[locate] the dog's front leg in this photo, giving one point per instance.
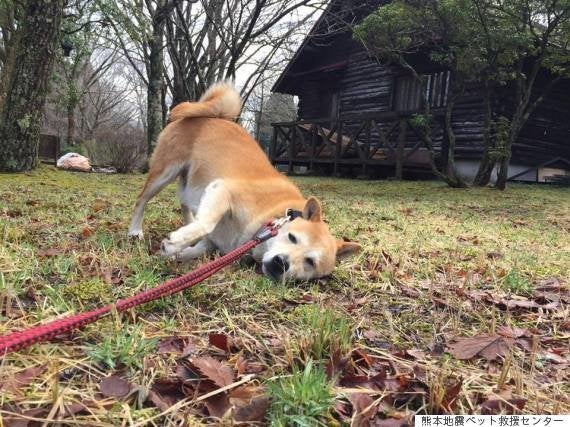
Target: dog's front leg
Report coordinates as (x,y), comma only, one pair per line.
(214,204)
(190,253)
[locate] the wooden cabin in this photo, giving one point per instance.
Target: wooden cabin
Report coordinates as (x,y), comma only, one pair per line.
(354,113)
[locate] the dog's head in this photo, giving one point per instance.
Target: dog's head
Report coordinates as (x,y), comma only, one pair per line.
(304,248)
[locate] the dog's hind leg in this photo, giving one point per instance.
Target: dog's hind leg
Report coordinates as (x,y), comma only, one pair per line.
(156,181)
(214,204)
(186,214)
(183,192)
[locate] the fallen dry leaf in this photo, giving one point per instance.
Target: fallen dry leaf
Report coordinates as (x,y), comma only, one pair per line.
(163,394)
(220,341)
(490,347)
(513,332)
(499,406)
(87,232)
(390,422)
(218,406)
(249,403)
(363,406)
(189,349)
(114,386)
(450,397)
(210,369)
(44,253)
(22,379)
(170,345)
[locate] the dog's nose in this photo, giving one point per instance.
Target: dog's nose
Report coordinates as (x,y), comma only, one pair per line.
(278,265)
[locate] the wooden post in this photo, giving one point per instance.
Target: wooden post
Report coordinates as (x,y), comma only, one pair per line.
(444,148)
(366,149)
(292,148)
(313,146)
(337,148)
(400,148)
(273,146)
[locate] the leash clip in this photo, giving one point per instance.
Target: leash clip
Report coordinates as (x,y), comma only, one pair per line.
(271,229)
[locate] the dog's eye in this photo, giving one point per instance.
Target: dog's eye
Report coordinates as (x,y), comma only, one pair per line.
(293,239)
(310,262)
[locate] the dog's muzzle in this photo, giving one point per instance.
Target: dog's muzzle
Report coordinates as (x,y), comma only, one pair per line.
(276,266)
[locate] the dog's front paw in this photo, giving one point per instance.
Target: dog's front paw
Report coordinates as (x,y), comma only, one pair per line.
(136,234)
(169,249)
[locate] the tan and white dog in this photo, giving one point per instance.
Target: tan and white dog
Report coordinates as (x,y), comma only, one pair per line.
(228,189)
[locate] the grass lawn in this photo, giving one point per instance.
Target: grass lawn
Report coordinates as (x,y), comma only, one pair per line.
(459,303)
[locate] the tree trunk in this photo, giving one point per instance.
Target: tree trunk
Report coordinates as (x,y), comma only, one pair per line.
(487,163)
(21,115)
(450,170)
(503,173)
(155,84)
(70,125)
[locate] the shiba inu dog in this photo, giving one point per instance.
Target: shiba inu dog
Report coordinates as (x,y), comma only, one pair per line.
(228,189)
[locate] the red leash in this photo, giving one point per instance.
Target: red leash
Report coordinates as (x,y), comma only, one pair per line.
(23,339)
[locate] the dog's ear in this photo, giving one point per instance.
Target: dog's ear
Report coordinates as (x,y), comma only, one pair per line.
(346,249)
(312,210)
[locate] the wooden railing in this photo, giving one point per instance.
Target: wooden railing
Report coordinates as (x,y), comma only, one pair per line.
(380,139)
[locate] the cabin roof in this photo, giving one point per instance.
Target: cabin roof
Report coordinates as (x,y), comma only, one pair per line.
(334,24)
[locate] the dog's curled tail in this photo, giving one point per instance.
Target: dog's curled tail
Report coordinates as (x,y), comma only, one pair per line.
(221,100)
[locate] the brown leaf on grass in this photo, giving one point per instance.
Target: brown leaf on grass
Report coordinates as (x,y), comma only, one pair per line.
(163,394)
(304,299)
(22,419)
(212,370)
(44,253)
(361,358)
(335,365)
(409,292)
(170,345)
(554,357)
(189,349)
(241,365)
(342,409)
(450,397)
(376,339)
(22,379)
(549,285)
(86,232)
(356,303)
(390,422)
(217,405)
(99,205)
(500,406)
(416,353)
(363,406)
(374,382)
(495,255)
(114,386)
(220,341)
(490,347)
(13,213)
(249,403)
(112,276)
(513,332)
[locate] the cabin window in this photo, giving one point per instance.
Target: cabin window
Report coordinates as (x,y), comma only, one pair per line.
(408,91)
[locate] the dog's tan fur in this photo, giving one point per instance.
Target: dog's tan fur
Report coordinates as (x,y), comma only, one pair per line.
(231,188)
